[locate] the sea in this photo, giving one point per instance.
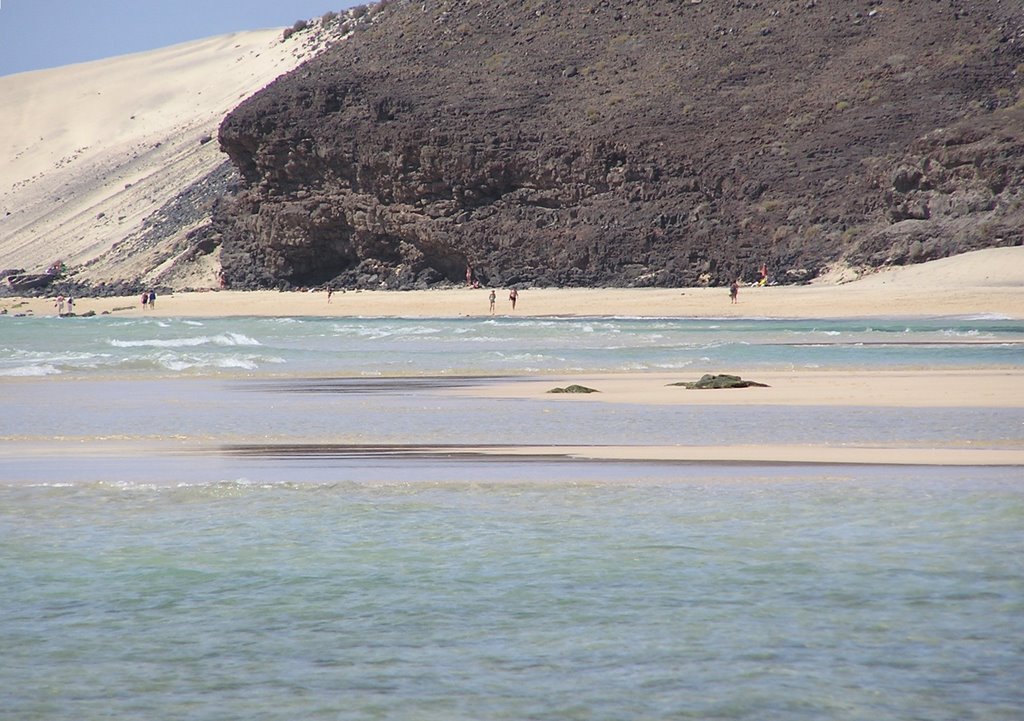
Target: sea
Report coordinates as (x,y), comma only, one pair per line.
(284,518)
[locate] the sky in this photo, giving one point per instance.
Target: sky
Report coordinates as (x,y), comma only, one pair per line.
(37,34)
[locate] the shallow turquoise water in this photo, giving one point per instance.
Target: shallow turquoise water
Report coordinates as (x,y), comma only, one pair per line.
(861,595)
(208,520)
(353,347)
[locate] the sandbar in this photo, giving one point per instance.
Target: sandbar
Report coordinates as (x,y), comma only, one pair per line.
(914,388)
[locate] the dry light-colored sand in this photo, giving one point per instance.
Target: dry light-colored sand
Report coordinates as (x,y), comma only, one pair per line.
(983,282)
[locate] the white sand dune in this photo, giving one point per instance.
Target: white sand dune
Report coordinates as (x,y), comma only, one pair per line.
(88,151)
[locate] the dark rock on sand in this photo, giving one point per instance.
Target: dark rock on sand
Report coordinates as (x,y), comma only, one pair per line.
(573,389)
(721,380)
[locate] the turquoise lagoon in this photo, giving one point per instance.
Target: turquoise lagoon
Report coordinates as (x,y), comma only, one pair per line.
(234,518)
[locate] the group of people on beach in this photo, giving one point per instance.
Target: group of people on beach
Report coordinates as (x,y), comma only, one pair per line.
(149,300)
(473,282)
(65,306)
(513,296)
(734,287)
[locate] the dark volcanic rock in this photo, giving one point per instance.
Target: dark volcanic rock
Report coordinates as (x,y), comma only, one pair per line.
(631,143)
(574,388)
(721,380)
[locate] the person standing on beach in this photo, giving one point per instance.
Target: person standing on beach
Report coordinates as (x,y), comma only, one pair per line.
(493,296)
(60,305)
(145,300)
(71,305)
(330,292)
(152,299)
(734,291)
(513,295)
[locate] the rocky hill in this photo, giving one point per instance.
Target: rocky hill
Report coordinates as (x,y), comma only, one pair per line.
(631,143)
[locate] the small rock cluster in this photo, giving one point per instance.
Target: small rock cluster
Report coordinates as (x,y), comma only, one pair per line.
(719,380)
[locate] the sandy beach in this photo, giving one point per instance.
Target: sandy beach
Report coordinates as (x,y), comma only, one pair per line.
(982,282)
(987,283)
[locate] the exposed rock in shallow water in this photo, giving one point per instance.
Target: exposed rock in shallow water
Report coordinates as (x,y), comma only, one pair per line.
(573,389)
(721,380)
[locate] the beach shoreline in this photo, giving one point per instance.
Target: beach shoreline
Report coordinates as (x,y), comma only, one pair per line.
(786,302)
(981,283)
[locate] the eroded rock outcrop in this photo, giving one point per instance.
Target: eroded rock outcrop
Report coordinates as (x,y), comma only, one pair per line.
(642,142)
(959,188)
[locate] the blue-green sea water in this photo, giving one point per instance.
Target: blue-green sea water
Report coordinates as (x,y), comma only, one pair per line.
(233,519)
(35,347)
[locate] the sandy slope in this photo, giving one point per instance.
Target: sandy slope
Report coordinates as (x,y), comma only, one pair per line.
(90,150)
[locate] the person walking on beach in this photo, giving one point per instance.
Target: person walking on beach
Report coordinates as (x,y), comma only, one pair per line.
(493,296)
(513,295)
(70,305)
(734,291)
(330,292)
(152,299)
(145,300)
(60,305)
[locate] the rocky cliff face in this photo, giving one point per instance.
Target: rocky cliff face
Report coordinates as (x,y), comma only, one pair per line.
(631,143)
